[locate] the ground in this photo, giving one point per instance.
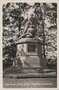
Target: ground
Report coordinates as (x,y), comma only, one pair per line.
(29,78)
(29,82)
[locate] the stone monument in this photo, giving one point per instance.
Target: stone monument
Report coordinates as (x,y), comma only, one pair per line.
(29,49)
(30,52)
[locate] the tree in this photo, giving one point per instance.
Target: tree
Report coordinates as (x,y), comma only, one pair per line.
(12,18)
(45,14)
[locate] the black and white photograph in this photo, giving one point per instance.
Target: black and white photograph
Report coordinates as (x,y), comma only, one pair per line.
(29,44)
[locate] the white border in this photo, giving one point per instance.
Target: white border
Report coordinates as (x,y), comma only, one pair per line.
(28,1)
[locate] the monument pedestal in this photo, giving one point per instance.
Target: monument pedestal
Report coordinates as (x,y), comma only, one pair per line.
(29,51)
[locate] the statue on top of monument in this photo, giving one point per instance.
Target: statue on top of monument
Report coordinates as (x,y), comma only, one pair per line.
(29,25)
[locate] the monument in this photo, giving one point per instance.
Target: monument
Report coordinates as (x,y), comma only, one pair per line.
(29,48)
(30,52)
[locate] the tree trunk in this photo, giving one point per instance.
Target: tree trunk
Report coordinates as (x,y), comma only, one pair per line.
(43,42)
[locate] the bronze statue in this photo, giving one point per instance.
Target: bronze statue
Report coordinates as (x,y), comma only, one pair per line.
(30,25)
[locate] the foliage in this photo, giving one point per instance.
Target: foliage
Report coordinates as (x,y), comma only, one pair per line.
(46,22)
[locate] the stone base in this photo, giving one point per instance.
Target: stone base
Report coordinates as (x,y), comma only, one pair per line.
(31,61)
(31,69)
(23,70)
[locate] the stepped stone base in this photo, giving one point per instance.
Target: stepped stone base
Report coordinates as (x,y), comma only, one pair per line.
(23,69)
